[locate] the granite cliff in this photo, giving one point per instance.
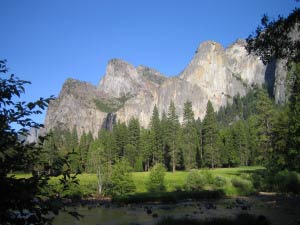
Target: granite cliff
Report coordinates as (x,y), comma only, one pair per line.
(125,91)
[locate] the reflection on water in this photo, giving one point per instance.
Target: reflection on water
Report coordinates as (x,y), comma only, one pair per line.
(133,214)
(147,214)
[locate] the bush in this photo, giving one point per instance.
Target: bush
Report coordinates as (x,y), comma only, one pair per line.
(74,192)
(286,181)
(195,181)
(283,181)
(209,178)
(138,165)
(244,186)
(121,182)
(155,183)
(219,181)
(260,181)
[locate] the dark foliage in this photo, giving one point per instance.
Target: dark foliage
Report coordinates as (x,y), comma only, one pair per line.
(22,200)
(275,39)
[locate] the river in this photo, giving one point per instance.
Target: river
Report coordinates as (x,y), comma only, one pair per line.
(278,209)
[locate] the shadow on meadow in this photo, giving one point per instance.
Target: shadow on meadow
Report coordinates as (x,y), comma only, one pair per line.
(169,197)
(242,219)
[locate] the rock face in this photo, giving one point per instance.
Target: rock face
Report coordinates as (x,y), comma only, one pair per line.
(280,82)
(125,91)
(223,73)
(75,107)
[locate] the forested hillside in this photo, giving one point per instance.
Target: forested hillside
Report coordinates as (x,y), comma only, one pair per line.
(251,131)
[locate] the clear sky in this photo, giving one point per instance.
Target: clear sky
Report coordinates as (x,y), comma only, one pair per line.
(47,41)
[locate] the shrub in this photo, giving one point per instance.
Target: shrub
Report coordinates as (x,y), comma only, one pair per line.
(260,181)
(244,186)
(283,181)
(209,178)
(74,192)
(155,183)
(287,181)
(195,181)
(138,165)
(121,182)
(219,181)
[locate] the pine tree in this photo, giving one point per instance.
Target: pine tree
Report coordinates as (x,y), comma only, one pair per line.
(53,157)
(226,147)
(120,134)
(265,111)
(273,40)
(280,137)
(83,149)
(221,144)
(238,106)
(134,132)
(199,156)
(241,143)
(71,147)
(74,137)
(109,148)
(211,153)
(121,181)
(231,148)
(165,144)
(172,132)
(253,140)
(67,141)
(190,141)
(155,131)
(130,154)
(146,148)
(133,146)
(293,142)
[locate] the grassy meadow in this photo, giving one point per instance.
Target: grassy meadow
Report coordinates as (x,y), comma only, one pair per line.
(235,181)
(176,181)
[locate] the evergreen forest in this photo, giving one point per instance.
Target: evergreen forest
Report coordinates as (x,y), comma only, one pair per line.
(252,130)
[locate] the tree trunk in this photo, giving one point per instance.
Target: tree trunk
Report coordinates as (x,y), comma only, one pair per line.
(211,152)
(201,148)
(173,158)
(99,181)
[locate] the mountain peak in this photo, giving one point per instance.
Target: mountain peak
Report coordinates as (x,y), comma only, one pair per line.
(208,46)
(214,74)
(119,67)
(238,43)
(151,74)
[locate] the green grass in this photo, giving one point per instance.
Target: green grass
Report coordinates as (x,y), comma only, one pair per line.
(238,181)
(21,175)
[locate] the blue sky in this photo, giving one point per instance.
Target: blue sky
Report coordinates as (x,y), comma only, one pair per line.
(48,41)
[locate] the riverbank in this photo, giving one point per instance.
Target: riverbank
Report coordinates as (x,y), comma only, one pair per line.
(278,209)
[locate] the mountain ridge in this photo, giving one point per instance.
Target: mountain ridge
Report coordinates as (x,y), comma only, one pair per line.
(214,73)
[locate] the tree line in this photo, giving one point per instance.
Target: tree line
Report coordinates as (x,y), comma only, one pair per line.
(252,130)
